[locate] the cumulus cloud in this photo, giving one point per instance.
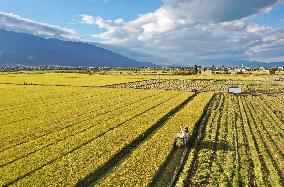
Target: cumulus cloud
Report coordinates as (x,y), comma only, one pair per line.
(90,20)
(16,23)
(186,31)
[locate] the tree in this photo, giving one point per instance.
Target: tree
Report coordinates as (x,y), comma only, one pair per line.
(195,70)
(272,71)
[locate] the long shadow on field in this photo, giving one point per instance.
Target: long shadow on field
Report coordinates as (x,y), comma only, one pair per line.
(168,173)
(223,145)
(97,175)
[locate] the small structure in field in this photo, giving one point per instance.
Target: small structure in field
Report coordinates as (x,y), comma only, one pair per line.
(279,79)
(235,90)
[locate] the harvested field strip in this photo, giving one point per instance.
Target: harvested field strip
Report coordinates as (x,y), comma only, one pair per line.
(245,150)
(247,164)
(225,166)
(276,108)
(275,169)
(269,127)
(204,85)
(157,153)
(91,150)
(271,114)
(221,149)
(138,84)
(262,171)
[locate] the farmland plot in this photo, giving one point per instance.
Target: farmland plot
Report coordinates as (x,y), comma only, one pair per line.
(71,135)
(254,86)
(67,79)
(57,136)
(240,142)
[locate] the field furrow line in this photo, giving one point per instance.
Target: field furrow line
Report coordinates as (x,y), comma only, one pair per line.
(269,132)
(264,168)
(251,168)
(267,147)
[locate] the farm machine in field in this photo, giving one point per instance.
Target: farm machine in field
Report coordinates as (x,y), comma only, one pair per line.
(182,138)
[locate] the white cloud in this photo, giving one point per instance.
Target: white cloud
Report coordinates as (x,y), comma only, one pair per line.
(184,31)
(16,23)
(87,19)
(90,20)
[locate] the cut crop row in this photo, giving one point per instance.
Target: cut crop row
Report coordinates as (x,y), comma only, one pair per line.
(252,154)
(274,161)
(262,168)
(206,85)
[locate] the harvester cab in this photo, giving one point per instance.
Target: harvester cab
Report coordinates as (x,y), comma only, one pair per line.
(182,138)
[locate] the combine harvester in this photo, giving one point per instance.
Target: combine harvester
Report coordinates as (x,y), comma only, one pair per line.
(182,138)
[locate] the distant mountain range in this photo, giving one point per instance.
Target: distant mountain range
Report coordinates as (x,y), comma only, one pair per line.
(26,49)
(230,63)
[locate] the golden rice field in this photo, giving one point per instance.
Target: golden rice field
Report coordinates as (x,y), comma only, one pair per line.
(69,129)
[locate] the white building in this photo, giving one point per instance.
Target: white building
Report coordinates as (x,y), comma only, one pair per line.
(235,90)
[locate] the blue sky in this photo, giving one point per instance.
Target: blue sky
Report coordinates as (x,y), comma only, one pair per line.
(161,31)
(64,12)
(275,18)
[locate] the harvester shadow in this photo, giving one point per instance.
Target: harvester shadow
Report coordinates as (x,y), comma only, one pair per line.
(222,145)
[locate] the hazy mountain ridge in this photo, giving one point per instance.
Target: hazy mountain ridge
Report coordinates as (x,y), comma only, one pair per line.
(231,63)
(20,48)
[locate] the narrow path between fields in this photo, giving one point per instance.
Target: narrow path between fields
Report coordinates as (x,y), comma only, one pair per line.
(76,86)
